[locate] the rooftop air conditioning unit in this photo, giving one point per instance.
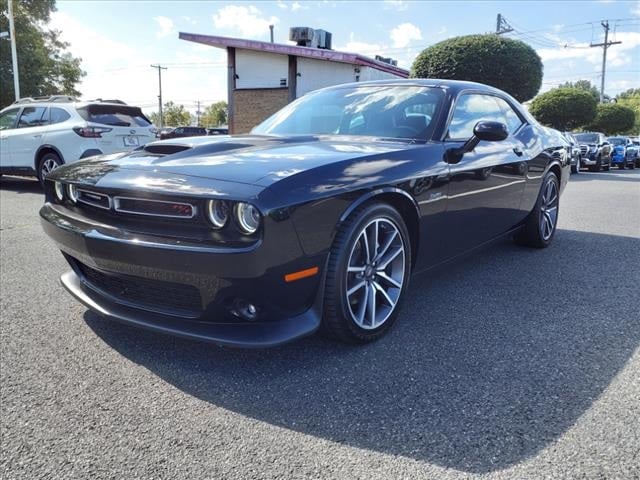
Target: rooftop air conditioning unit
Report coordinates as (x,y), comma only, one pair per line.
(303,36)
(388,60)
(322,39)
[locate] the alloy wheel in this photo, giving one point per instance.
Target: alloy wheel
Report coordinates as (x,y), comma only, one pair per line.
(48,165)
(549,209)
(375,273)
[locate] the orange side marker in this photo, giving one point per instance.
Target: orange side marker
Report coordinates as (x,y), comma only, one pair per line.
(309,272)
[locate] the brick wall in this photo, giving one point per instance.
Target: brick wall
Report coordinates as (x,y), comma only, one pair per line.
(252,106)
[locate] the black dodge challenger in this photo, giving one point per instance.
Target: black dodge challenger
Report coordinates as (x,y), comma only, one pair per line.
(315,220)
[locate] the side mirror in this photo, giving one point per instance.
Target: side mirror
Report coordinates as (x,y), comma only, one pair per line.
(487,131)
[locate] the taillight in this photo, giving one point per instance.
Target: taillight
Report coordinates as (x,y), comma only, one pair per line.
(91,132)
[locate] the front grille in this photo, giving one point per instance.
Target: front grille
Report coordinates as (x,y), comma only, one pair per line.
(584,149)
(156,295)
(154,208)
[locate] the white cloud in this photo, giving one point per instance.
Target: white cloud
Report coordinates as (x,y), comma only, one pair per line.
(404,34)
(363,48)
(166,26)
(117,70)
(617,55)
(247,20)
(635,10)
(293,6)
(399,5)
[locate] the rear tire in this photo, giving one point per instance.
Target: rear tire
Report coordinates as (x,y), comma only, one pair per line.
(363,294)
(540,226)
(47,163)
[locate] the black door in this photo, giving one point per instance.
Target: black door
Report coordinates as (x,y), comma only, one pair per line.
(486,186)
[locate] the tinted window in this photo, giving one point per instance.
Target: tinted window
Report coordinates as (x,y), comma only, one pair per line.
(8,118)
(115,115)
(471,109)
(58,115)
(32,117)
(616,141)
(388,111)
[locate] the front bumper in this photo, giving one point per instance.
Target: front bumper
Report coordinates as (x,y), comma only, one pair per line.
(222,277)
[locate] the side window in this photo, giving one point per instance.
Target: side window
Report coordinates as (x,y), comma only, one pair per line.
(179,130)
(58,115)
(513,119)
(470,109)
(8,118)
(32,117)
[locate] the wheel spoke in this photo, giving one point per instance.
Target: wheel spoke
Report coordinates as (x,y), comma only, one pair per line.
(371,304)
(355,288)
(366,246)
(375,241)
(387,244)
(355,269)
(390,302)
(389,280)
(384,262)
(362,310)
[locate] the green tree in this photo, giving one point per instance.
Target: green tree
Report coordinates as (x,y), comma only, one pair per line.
(507,64)
(44,67)
(587,86)
(631,99)
(214,115)
(613,119)
(564,108)
(174,116)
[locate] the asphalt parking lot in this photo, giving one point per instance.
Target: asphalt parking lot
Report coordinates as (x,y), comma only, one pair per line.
(512,363)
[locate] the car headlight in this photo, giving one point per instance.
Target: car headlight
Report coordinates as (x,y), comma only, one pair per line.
(248,217)
(218,212)
(58,188)
(72,191)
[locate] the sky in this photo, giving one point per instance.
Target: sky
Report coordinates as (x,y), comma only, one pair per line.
(119,40)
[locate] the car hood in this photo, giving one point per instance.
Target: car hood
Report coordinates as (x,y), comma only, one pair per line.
(253,160)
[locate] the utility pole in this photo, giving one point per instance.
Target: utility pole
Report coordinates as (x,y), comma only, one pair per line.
(606,44)
(502,26)
(160,68)
(198,114)
(14,53)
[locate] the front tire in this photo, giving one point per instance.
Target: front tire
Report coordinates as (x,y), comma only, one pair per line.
(540,226)
(49,162)
(367,275)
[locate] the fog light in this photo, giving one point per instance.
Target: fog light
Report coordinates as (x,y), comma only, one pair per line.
(59,190)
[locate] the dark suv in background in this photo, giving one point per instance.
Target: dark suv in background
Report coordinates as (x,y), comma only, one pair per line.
(595,151)
(184,132)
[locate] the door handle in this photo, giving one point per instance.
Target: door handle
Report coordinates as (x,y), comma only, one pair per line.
(517,151)
(38,135)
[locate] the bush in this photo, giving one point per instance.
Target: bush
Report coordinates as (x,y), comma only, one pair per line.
(564,108)
(612,119)
(504,63)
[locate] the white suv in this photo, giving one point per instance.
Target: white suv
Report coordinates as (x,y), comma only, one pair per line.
(38,135)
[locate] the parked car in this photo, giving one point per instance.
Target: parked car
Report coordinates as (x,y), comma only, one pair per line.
(38,135)
(625,153)
(317,218)
(218,131)
(162,132)
(181,132)
(595,151)
(575,152)
(635,143)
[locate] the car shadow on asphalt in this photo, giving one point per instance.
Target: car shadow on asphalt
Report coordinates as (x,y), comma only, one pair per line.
(20,184)
(492,359)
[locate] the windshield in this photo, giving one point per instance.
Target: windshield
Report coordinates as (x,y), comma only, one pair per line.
(587,137)
(616,141)
(378,111)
